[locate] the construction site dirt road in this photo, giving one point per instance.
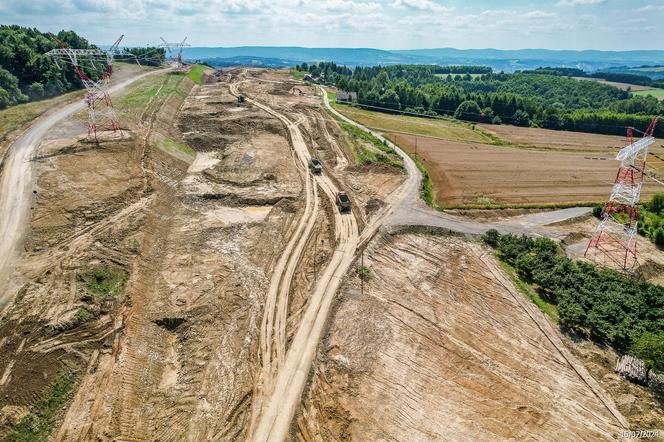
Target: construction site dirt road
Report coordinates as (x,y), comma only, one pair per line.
(18,181)
(240,317)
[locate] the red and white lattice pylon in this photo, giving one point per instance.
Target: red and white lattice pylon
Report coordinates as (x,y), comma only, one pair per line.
(101,115)
(176,60)
(616,232)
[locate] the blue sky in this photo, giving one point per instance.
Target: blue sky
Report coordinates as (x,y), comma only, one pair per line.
(385,24)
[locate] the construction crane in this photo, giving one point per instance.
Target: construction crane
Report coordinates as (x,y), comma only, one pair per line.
(176,61)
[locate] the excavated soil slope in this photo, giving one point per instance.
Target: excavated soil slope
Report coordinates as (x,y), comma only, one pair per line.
(184,365)
(438,349)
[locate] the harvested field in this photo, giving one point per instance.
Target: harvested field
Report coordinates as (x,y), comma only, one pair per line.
(472,174)
(556,139)
(621,86)
(437,349)
(433,127)
(480,174)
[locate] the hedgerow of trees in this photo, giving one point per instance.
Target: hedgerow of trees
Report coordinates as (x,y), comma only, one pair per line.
(542,98)
(27,74)
(603,304)
(651,222)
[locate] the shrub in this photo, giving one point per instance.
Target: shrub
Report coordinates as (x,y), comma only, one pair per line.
(657,203)
(36,91)
(659,237)
(601,303)
(469,110)
(650,348)
(597,211)
(491,237)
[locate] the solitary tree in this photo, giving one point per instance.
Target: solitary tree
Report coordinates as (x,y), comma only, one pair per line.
(469,110)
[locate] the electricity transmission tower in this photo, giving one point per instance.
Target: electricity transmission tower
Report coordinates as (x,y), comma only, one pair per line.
(176,61)
(615,235)
(101,115)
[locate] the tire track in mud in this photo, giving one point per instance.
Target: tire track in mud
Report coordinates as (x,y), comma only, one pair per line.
(276,411)
(273,326)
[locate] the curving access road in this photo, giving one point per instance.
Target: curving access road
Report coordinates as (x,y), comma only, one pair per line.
(17,184)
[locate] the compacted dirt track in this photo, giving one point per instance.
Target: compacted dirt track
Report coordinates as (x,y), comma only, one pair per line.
(275,412)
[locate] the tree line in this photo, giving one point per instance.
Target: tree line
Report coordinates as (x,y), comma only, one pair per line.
(27,74)
(601,304)
(541,99)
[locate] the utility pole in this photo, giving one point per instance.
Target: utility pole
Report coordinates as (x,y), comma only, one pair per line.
(362,273)
(101,114)
(616,232)
(176,60)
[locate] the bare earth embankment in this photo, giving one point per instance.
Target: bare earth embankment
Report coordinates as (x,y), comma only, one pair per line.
(437,349)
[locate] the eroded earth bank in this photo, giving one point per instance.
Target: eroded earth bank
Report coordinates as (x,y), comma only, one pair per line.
(437,348)
(166,273)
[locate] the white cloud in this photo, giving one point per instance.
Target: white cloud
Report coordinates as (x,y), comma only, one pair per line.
(580,2)
(538,14)
(648,8)
(420,5)
(350,6)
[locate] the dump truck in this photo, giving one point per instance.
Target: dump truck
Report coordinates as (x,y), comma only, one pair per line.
(343,202)
(315,166)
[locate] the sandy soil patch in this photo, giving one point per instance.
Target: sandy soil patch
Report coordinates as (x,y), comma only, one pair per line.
(437,349)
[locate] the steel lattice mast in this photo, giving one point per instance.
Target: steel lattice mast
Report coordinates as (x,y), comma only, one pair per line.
(176,61)
(101,115)
(615,235)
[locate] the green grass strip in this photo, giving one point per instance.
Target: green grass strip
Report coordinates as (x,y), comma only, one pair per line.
(196,73)
(529,292)
(38,425)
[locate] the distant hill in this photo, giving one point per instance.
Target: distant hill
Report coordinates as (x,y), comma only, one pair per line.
(296,55)
(499,60)
(264,62)
(653,72)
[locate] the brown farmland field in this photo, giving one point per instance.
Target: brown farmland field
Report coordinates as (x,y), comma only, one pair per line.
(555,139)
(475,174)
(621,86)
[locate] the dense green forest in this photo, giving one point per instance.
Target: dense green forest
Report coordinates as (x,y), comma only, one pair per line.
(603,304)
(620,77)
(548,99)
(27,74)
(651,222)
